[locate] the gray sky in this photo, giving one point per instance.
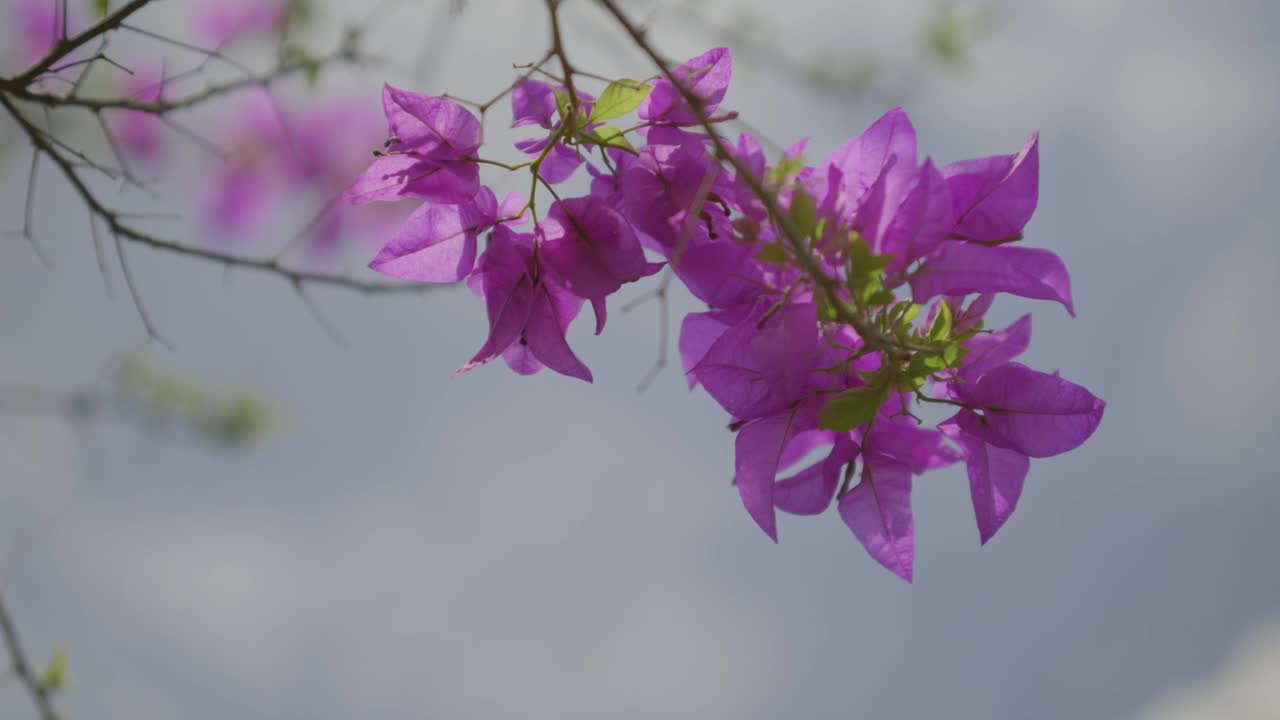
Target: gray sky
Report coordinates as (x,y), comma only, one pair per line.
(491,546)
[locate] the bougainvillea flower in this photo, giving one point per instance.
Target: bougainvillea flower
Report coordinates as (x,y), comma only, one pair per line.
(705,76)
(221,22)
(878,511)
(996,474)
(534,103)
(959,268)
(437,243)
(1035,413)
(995,197)
(810,491)
(763,363)
(528,315)
(886,147)
(829,325)
(920,223)
(431,127)
(591,251)
(758,457)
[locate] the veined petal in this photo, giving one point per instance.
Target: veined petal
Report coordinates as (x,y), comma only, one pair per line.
(436,244)
(996,474)
(959,268)
(433,127)
(811,490)
(995,197)
(705,76)
(758,451)
(1035,413)
(878,511)
(399,176)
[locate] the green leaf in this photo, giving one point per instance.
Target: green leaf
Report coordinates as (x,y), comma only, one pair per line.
(609,136)
(54,676)
(851,408)
(925,364)
(804,212)
(910,314)
(951,354)
(773,253)
(941,328)
(100,7)
(879,297)
(562,102)
(621,97)
(784,170)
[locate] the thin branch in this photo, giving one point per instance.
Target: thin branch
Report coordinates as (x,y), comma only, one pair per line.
(70,44)
(152,333)
(22,668)
(100,252)
(214,54)
(117,227)
(161,105)
(28,212)
(321,319)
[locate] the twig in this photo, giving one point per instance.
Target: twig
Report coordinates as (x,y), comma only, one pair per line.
(22,666)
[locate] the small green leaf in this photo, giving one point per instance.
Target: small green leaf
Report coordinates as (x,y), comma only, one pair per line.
(941,328)
(101,7)
(925,364)
(850,408)
(609,136)
(784,170)
(910,314)
(54,676)
(951,354)
(562,102)
(621,97)
(879,297)
(773,253)
(804,212)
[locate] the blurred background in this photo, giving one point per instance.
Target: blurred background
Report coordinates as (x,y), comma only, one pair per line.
(393,541)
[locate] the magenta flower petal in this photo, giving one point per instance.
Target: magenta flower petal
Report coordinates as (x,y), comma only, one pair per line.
(810,491)
(590,248)
(878,511)
(960,268)
(532,103)
(721,274)
(436,244)
(544,333)
(915,448)
(507,286)
(559,164)
(699,332)
(863,159)
(432,127)
(920,223)
(759,448)
(996,475)
(705,76)
(989,350)
(1035,413)
(754,370)
(995,197)
(396,177)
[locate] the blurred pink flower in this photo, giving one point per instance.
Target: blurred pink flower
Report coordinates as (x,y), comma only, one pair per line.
(218,23)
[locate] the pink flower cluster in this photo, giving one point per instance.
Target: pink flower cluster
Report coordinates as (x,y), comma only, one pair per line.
(843,296)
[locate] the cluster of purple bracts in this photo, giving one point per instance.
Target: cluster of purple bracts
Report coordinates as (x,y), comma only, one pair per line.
(826,329)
